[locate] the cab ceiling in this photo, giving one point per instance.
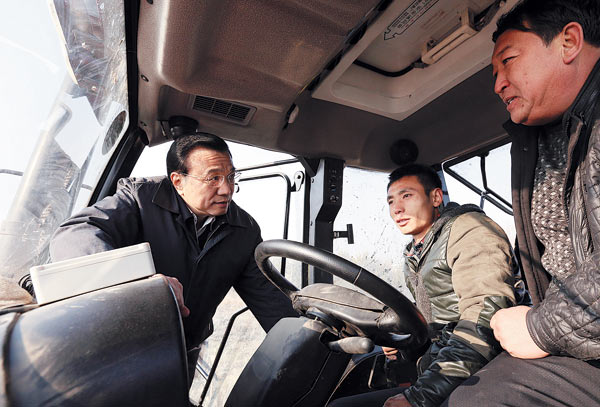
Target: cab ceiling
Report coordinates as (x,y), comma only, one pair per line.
(275,57)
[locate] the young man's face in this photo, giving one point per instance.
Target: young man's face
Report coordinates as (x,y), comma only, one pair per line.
(203,199)
(411,208)
(527,77)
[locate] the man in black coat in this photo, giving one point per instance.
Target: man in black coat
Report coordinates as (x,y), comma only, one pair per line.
(201,241)
(547,72)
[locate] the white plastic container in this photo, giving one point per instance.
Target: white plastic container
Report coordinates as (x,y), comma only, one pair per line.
(79,275)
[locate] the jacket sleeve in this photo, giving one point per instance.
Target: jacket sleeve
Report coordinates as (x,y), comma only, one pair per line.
(445,365)
(479,255)
(566,322)
(267,302)
(111,223)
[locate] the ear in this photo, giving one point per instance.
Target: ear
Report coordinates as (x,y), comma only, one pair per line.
(437,197)
(572,41)
(177,181)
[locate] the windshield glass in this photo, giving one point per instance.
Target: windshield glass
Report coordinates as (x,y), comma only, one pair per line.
(64,109)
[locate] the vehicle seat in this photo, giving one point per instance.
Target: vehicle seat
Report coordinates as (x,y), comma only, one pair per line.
(121,345)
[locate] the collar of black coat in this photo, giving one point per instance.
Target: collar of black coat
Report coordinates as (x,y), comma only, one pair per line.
(582,108)
(167,198)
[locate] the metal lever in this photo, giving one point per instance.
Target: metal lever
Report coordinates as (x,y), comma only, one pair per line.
(348,233)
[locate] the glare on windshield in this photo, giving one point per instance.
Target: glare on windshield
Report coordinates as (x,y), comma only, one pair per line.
(64,110)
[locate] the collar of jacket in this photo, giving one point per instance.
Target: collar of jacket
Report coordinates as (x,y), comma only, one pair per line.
(450,211)
(583,106)
(167,198)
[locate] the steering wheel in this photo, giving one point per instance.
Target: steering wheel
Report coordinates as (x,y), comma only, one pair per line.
(390,320)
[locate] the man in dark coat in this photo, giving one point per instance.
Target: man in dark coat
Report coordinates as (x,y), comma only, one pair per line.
(546,69)
(201,241)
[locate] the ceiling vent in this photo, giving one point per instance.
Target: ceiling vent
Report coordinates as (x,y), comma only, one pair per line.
(233,112)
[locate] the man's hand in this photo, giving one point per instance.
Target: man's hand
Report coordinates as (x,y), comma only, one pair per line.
(390,353)
(397,401)
(178,291)
(510,329)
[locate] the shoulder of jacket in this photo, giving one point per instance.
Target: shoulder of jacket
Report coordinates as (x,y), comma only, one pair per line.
(471,220)
(474,217)
(136,183)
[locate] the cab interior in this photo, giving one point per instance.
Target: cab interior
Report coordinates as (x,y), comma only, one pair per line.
(339,79)
(335,84)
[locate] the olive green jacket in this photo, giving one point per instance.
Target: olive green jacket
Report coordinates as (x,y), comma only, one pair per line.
(462,275)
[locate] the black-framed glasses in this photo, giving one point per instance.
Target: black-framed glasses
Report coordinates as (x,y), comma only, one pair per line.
(217,180)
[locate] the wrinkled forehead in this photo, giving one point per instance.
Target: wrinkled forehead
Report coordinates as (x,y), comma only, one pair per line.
(204,161)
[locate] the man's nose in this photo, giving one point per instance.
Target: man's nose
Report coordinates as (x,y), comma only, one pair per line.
(500,84)
(226,188)
(397,208)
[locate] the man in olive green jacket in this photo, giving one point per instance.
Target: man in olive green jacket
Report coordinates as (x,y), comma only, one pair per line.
(459,268)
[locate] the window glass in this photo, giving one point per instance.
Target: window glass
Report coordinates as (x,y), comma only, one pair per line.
(497,171)
(63,105)
(469,169)
(497,165)
(378,243)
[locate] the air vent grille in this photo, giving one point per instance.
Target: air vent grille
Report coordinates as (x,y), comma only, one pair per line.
(223,109)
(202,103)
(239,112)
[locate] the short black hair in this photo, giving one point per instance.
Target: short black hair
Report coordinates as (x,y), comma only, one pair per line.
(427,176)
(184,145)
(547,18)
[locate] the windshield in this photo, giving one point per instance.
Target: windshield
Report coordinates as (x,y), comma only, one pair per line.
(63,108)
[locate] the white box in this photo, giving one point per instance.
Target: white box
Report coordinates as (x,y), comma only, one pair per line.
(79,275)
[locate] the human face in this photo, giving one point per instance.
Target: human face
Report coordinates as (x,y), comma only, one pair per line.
(528,77)
(205,200)
(411,208)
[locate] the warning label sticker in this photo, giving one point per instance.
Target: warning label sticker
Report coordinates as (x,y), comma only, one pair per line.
(407,18)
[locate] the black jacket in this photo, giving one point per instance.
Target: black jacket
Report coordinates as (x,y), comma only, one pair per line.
(565,321)
(150,210)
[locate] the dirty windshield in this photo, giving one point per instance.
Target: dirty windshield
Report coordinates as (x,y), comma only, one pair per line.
(64,110)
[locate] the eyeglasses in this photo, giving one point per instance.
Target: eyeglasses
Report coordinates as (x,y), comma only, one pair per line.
(217,180)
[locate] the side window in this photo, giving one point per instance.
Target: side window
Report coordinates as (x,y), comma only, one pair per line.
(467,183)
